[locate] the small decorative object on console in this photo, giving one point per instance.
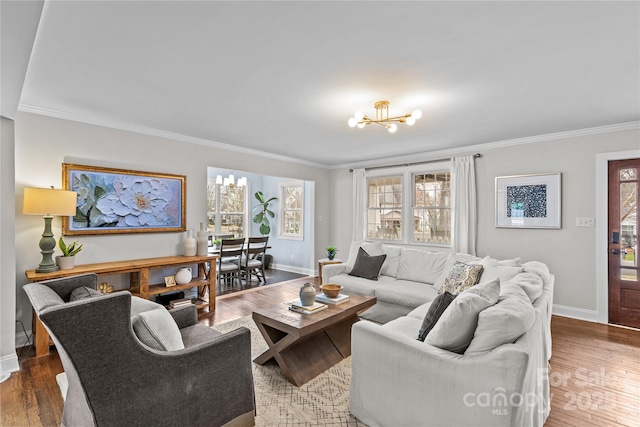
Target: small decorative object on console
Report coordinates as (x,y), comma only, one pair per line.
(183,276)
(105,288)
(331,252)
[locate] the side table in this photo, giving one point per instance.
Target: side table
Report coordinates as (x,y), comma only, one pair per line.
(326,261)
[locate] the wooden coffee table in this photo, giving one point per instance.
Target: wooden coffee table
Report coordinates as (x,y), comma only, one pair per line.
(305,345)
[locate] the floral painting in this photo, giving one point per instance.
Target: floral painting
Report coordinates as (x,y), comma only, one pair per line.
(122,201)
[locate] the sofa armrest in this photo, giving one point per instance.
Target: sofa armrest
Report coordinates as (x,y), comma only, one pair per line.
(185,316)
(331,270)
(428,383)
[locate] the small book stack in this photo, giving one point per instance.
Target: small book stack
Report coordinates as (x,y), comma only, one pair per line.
(306,309)
(322,298)
(180,302)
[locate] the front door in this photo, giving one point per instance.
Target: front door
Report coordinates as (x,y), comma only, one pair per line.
(624,281)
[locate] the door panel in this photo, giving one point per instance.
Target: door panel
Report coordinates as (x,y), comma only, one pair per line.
(624,286)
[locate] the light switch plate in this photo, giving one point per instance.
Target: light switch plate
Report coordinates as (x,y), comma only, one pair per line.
(585,222)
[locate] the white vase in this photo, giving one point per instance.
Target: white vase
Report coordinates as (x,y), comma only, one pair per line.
(203,240)
(183,276)
(65,262)
(190,244)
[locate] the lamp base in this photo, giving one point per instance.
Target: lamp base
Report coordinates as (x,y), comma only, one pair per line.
(47,246)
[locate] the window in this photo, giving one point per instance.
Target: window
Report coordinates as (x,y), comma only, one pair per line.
(423,218)
(291,210)
(431,208)
(384,207)
(226,209)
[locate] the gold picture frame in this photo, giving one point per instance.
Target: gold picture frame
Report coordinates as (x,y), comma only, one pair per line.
(170,281)
(119,201)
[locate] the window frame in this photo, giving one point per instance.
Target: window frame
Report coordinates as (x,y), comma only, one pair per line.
(283,209)
(217,213)
(408,200)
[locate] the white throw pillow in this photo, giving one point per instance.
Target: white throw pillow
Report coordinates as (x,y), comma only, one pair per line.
(158,330)
(391,263)
(454,330)
(421,266)
(372,248)
(505,274)
(504,322)
(515,262)
(530,283)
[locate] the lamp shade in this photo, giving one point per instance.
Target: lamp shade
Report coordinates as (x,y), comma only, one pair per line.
(47,201)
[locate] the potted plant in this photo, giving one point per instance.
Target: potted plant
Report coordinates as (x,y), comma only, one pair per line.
(216,244)
(331,252)
(67,260)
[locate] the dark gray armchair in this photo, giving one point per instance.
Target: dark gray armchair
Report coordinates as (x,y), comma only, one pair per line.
(115,380)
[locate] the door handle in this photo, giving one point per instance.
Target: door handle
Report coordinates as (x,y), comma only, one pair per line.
(615,251)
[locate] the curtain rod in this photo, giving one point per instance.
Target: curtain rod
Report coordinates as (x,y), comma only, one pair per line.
(475,156)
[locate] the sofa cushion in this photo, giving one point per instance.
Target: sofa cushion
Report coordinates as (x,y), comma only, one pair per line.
(420,311)
(83,292)
(390,266)
(530,283)
(367,266)
(461,277)
(504,322)
(372,248)
(514,262)
(359,286)
(451,260)
(437,307)
(403,292)
(421,266)
(157,329)
(454,330)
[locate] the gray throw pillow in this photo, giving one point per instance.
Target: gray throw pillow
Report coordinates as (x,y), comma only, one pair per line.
(437,307)
(367,266)
(83,292)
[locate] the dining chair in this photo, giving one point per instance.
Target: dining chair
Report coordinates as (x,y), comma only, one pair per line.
(253,261)
(228,265)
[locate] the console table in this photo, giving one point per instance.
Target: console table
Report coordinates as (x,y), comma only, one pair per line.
(138,270)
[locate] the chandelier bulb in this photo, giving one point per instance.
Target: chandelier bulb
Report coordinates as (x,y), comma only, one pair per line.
(361,125)
(416,114)
(359,115)
(392,127)
(352,122)
(410,121)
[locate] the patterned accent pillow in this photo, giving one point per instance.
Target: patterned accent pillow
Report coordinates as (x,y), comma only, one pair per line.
(461,277)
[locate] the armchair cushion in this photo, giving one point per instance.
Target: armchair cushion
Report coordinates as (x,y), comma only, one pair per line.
(83,292)
(157,329)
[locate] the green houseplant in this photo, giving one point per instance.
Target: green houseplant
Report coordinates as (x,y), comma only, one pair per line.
(331,252)
(262,217)
(67,260)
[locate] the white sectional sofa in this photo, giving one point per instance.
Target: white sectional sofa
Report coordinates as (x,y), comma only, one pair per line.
(500,379)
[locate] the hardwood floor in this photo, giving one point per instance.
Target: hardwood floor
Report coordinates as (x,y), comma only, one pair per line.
(594,371)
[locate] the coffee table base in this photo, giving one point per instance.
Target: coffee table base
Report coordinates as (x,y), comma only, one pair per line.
(303,358)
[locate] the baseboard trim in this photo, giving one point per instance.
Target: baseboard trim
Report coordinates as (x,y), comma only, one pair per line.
(575,313)
(9,363)
(291,269)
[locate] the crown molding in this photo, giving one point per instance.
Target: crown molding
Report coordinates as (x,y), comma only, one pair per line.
(160,133)
(416,157)
(449,152)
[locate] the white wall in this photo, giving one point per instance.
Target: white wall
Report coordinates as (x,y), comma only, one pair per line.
(44,143)
(8,357)
(569,252)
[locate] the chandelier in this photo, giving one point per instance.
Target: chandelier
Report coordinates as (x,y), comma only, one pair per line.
(382,117)
(230,181)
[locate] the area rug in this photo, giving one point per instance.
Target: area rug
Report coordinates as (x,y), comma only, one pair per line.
(323,401)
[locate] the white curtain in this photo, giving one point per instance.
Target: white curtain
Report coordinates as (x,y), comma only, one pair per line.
(359,204)
(464,205)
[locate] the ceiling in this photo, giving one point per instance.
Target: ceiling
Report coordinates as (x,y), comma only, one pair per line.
(283,78)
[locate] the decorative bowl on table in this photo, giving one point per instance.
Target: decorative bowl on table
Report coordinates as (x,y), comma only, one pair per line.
(331,290)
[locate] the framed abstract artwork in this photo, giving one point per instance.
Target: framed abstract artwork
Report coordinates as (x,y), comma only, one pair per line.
(115,201)
(529,201)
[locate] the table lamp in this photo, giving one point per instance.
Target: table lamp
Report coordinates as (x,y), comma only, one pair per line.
(49,203)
